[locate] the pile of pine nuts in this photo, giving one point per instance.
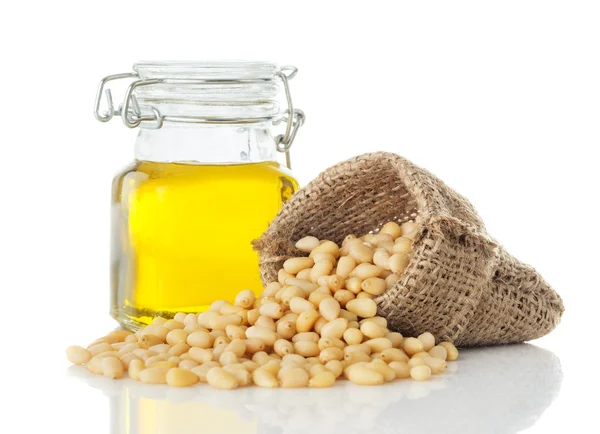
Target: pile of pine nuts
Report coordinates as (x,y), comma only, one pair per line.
(316,324)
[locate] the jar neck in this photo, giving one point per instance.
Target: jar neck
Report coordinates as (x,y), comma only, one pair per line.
(207,144)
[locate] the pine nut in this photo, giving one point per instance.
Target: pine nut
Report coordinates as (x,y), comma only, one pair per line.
(343,296)
(381,258)
(264,334)
(254,345)
(154,375)
(364,376)
(294,265)
(306,320)
(250,365)
(240,373)
(135,367)
(350,316)
(295,377)
(273,310)
(200,355)
(402,369)
(94,350)
(412,346)
(362,348)
(326,247)
(264,378)
(178,377)
(452,352)
(366,270)
(178,350)
(188,364)
(393,355)
(361,253)
(253,315)
(159,321)
(371,330)
(398,262)
(374,285)
(78,355)
(227,358)
(420,372)
(283,347)
(335,329)
(322,268)
(391,228)
(403,245)
(306,348)
(200,339)
(290,292)
(219,378)
(428,341)
(415,361)
(438,366)
(335,366)
(271,289)
(305,285)
(266,322)
(307,244)
(331,353)
(363,307)
(323,256)
(331,342)
(335,282)
(396,338)
(316,297)
(299,305)
(127,358)
(318,326)
(353,336)
(345,266)
(356,357)
(174,325)
(202,371)
(304,274)
(245,299)
(380,366)
(329,308)
(179,317)
(112,367)
(391,280)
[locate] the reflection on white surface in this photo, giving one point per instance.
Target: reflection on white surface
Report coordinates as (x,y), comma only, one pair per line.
(500,390)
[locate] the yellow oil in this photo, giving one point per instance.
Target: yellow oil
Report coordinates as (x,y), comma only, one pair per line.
(182,233)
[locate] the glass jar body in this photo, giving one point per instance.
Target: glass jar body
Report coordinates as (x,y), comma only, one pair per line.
(184,215)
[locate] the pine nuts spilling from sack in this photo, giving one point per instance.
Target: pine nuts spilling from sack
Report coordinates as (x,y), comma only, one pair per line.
(316,324)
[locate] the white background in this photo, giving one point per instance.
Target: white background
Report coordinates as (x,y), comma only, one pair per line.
(499,99)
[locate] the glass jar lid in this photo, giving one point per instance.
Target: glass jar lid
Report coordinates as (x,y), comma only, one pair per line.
(203,92)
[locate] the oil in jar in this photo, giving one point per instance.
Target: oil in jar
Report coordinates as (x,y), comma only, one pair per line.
(182,234)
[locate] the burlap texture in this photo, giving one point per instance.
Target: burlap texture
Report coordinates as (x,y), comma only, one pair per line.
(460,285)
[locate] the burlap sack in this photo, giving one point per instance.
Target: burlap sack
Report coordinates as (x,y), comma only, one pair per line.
(460,285)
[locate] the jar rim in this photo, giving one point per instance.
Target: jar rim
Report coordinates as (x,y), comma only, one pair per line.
(221,70)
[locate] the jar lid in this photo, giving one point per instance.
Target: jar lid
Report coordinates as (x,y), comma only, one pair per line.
(203,92)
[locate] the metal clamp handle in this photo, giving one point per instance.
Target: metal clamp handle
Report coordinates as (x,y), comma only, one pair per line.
(108,115)
(131,115)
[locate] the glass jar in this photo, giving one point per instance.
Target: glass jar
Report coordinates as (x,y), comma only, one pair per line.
(205,182)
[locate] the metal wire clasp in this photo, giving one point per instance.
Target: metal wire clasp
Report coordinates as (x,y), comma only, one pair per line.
(294,118)
(110,112)
(131,115)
